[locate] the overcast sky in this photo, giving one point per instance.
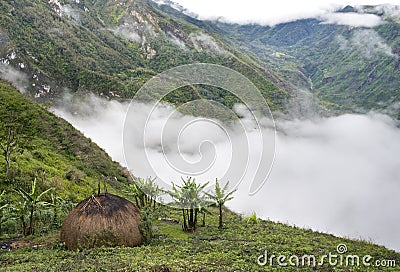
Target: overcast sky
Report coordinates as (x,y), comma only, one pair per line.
(268,12)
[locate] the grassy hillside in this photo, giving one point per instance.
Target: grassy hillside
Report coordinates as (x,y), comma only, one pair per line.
(58,156)
(51,150)
(235,248)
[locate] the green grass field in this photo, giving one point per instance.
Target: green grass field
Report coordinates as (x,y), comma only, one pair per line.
(237,247)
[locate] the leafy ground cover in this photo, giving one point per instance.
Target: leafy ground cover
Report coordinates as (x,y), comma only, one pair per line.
(237,247)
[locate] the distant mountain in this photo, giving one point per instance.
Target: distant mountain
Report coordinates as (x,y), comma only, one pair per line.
(349,68)
(112,47)
(51,150)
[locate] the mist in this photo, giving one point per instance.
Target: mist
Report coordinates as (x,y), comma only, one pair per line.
(16,77)
(352,19)
(127,31)
(338,174)
(202,41)
(367,42)
(276,12)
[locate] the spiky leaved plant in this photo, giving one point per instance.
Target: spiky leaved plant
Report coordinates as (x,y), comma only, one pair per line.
(30,202)
(220,196)
(190,198)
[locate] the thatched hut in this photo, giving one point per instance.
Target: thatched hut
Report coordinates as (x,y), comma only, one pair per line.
(103,219)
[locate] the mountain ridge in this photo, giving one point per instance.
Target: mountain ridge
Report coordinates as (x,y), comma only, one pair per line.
(113,48)
(349,68)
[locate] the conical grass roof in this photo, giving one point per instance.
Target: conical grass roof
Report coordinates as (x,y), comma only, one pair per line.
(104,219)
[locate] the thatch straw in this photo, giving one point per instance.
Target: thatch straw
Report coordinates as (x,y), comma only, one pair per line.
(104,219)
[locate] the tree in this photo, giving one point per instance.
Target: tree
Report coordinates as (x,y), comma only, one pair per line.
(190,198)
(145,192)
(2,208)
(221,196)
(204,211)
(8,145)
(29,202)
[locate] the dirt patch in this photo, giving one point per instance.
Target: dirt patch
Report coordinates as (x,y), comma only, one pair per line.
(169,221)
(6,245)
(15,243)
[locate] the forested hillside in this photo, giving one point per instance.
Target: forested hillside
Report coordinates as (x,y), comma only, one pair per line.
(349,68)
(112,47)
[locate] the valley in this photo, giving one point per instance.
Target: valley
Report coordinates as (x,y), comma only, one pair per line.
(325,110)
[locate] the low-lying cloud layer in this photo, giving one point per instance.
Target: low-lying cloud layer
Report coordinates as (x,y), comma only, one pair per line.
(352,19)
(275,12)
(338,175)
(335,174)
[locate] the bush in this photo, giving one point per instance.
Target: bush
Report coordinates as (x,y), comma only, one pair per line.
(251,219)
(146,223)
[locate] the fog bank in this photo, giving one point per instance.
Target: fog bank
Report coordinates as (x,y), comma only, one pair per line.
(334,174)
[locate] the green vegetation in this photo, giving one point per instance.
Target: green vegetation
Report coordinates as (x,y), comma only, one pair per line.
(89,48)
(47,153)
(349,69)
(235,248)
(252,218)
(56,153)
(145,192)
(3,206)
(220,197)
(17,126)
(29,203)
(59,157)
(190,198)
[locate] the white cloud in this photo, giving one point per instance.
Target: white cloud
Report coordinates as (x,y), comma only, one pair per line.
(389,10)
(99,119)
(202,41)
(352,19)
(367,42)
(72,13)
(17,78)
(128,31)
(176,41)
(268,12)
(337,174)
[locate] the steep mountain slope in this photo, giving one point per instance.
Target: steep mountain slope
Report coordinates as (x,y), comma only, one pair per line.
(62,158)
(110,47)
(351,68)
(50,149)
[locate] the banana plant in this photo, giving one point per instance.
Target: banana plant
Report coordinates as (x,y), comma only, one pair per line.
(30,202)
(145,192)
(220,196)
(59,205)
(190,198)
